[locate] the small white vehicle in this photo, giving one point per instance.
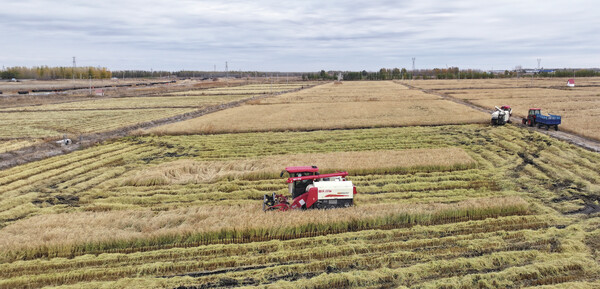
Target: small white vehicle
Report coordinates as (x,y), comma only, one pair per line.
(502,115)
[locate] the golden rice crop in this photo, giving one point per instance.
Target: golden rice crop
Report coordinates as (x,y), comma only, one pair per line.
(190,171)
(308,116)
(352,92)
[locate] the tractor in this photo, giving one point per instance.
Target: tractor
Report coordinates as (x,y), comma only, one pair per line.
(535,117)
(310,190)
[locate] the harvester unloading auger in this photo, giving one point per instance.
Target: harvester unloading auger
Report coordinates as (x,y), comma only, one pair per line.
(310,190)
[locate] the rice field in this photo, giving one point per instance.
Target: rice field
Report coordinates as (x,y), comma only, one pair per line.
(440,203)
(332,106)
(498,83)
(246,89)
(455,206)
(30,124)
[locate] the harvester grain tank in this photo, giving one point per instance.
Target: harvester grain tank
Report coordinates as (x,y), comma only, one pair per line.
(501,115)
(536,118)
(310,190)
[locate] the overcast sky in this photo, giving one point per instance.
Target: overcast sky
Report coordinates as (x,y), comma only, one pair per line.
(303,35)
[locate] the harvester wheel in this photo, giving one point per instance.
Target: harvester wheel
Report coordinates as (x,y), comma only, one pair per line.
(529,122)
(556,127)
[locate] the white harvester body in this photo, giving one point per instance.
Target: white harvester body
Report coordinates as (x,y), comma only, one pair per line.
(501,115)
(310,190)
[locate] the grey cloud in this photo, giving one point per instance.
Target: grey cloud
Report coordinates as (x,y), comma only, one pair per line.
(298,35)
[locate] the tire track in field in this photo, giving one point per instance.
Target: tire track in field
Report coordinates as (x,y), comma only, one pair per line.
(49,149)
(572,138)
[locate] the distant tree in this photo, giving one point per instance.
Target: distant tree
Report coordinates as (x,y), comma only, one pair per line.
(396,73)
(10,73)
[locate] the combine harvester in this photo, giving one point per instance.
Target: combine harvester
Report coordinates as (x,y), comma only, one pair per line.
(535,117)
(310,190)
(502,115)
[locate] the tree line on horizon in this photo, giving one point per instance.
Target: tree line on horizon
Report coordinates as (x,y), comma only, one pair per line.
(61,72)
(440,73)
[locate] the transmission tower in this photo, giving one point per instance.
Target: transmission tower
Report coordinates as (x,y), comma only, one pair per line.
(539,60)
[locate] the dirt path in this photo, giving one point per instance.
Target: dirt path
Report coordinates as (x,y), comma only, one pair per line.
(50,149)
(569,137)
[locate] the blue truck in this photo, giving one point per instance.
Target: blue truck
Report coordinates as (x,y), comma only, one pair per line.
(535,117)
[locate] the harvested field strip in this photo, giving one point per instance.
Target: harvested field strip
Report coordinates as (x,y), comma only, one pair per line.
(28,170)
(11,145)
(56,123)
(213,226)
(513,268)
(133,103)
(273,264)
(368,247)
(280,252)
(244,90)
(67,169)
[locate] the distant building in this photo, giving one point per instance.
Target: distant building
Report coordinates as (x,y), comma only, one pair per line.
(571,82)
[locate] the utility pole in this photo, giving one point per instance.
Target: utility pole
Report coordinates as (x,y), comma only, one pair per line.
(74,66)
(226,70)
(413,69)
